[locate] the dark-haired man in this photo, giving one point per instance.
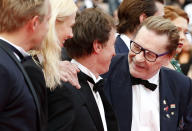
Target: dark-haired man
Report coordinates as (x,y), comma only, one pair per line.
(91,49)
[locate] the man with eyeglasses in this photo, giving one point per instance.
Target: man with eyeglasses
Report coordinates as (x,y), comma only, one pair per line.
(149,55)
(145,95)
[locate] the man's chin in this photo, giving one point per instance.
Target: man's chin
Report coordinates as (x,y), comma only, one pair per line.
(135,73)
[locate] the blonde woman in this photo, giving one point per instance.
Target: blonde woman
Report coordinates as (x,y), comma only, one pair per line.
(62,18)
(60,28)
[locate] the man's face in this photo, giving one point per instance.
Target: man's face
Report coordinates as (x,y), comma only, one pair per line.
(139,66)
(105,56)
(42,26)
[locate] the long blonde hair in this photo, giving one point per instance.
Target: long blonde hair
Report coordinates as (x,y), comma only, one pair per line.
(51,50)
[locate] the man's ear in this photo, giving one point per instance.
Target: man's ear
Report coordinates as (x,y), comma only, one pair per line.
(142,17)
(97,47)
(168,59)
(33,23)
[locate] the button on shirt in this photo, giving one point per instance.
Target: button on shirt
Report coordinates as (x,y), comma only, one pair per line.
(95,94)
(146,108)
(23,52)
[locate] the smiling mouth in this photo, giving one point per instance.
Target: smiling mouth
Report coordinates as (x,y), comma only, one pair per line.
(180,45)
(138,67)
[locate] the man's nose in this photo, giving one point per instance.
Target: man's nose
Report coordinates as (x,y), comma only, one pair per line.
(140,57)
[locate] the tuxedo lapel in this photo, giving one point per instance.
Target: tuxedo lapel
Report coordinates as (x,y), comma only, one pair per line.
(109,113)
(129,103)
(120,46)
(128,93)
(119,91)
(90,101)
(4,46)
(168,103)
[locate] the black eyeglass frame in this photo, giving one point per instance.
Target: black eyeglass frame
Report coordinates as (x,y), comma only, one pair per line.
(144,50)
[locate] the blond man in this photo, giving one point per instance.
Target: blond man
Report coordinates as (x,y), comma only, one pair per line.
(23,26)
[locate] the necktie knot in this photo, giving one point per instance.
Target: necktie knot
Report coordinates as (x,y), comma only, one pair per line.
(96,86)
(26,58)
(146,83)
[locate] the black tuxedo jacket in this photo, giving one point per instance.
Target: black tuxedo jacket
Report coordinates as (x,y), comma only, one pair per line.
(36,76)
(70,109)
(175,89)
(120,46)
(19,106)
(64,55)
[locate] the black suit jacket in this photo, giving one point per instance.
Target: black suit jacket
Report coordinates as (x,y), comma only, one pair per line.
(175,88)
(19,106)
(71,109)
(64,55)
(36,76)
(120,46)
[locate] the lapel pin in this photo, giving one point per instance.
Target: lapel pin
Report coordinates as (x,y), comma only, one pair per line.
(166,108)
(172,113)
(168,116)
(172,106)
(164,102)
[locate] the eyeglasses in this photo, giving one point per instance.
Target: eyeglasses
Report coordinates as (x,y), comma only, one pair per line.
(149,55)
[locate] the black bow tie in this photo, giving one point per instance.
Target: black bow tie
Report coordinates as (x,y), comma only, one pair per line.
(19,54)
(97,86)
(16,51)
(26,59)
(136,81)
(109,113)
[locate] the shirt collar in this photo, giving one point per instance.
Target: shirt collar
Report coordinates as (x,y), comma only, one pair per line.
(155,79)
(126,39)
(23,52)
(86,71)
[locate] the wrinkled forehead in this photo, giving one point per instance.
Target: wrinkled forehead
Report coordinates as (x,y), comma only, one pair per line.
(151,40)
(180,22)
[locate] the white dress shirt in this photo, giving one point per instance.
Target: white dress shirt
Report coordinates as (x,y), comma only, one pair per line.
(23,52)
(126,39)
(146,108)
(95,94)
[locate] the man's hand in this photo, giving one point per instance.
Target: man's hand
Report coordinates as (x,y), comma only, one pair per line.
(68,72)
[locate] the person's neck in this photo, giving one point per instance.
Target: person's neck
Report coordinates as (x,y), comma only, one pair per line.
(90,64)
(170,66)
(17,38)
